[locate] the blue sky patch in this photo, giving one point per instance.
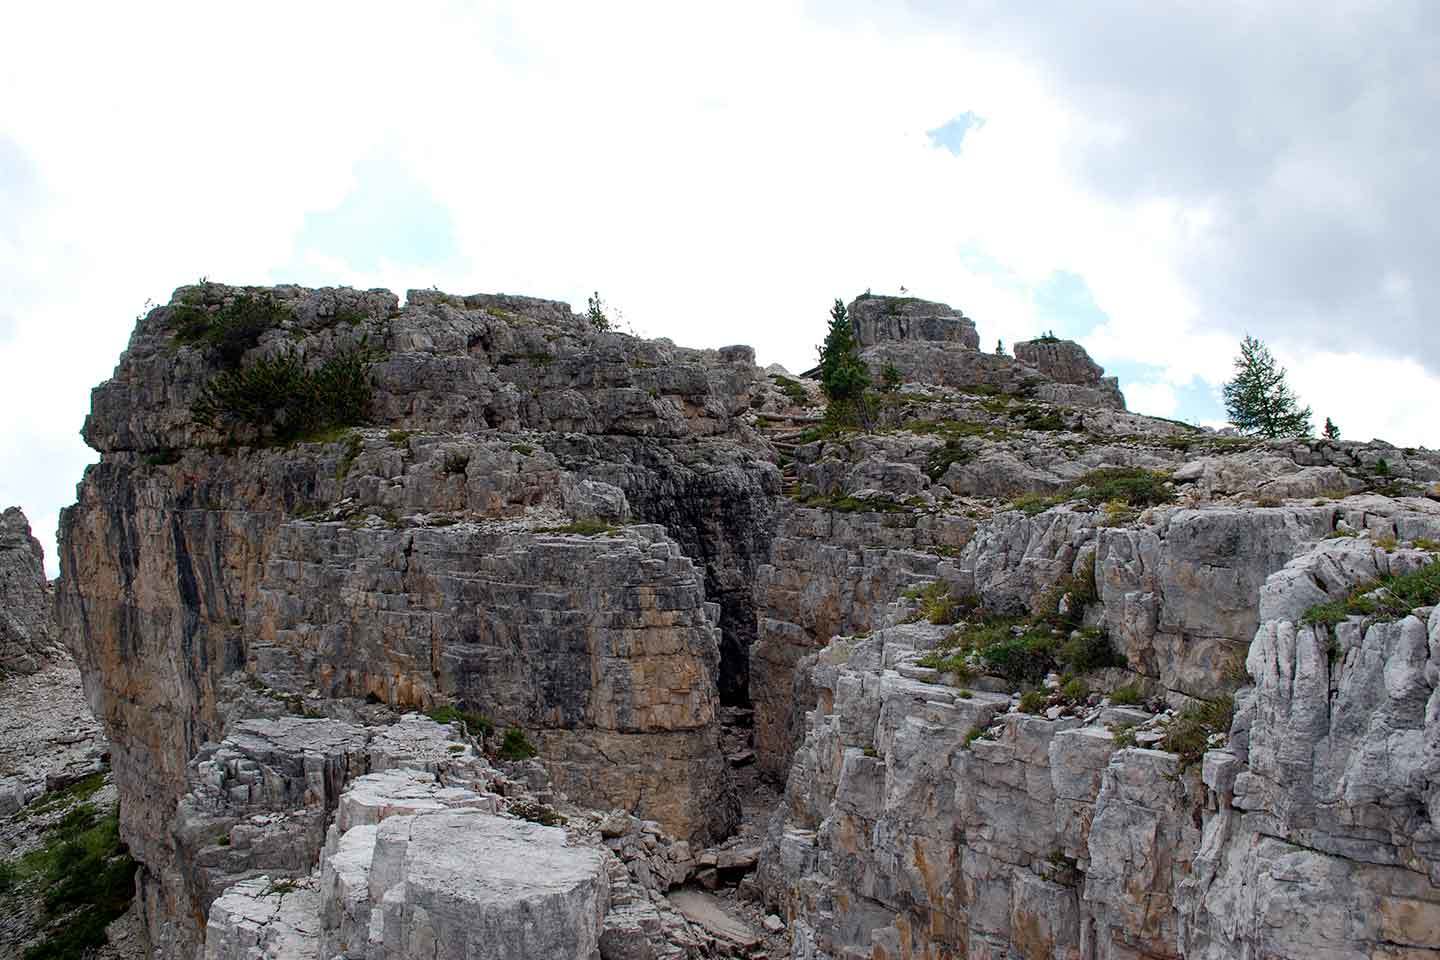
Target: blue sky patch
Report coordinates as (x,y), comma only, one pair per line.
(951,135)
(388,216)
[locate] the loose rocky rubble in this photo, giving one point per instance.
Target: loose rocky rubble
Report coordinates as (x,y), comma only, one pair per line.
(433,852)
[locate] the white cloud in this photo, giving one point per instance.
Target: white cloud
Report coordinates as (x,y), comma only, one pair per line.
(1156,399)
(719,178)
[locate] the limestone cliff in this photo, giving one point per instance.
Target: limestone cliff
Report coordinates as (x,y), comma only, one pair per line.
(1040,676)
(27,626)
(475,541)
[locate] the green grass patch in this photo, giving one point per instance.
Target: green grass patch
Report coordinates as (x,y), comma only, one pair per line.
(85,879)
(1131,486)
(279,399)
(1388,598)
(516,746)
(939,461)
(794,391)
(849,504)
(1127,695)
(226,332)
(477,723)
(1189,732)
(1032,701)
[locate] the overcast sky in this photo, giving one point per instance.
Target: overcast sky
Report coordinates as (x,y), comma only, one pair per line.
(1152,179)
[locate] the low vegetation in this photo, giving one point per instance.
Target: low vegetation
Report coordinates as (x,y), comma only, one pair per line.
(226,332)
(1390,597)
(477,723)
(1023,651)
(516,746)
(83,876)
(1188,735)
(1113,487)
(794,391)
(279,399)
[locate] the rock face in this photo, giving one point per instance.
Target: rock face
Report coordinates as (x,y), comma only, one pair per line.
(28,638)
(583,543)
(879,319)
(476,545)
(1067,364)
(932,343)
(1313,832)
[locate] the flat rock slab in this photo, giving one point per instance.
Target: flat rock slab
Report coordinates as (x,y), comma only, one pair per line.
(261,919)
(706,911)
(468,885)
(378,796)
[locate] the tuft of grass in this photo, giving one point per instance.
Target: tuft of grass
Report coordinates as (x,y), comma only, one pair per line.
(354,443)
(936,604)
(1425,543)
(1189,732)
(1127,695)
(1124,734)
(939,461)
(516,746)
(794,391)
(1388,598)
(536,812)
(1075,690)
(977,732)
(1032,701)
(524,449)
(848,504)
(399,437)
(476,723)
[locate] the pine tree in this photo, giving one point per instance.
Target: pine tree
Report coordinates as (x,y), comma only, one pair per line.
(595,312)
(999,348)
(843,376)
(1258,400)
(1332,432)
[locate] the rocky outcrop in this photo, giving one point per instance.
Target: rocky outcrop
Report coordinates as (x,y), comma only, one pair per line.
(1076,379)
(926,820)
(574,541)
(28,639)
(932,343)
(881,319)
(474,544)
(923,821)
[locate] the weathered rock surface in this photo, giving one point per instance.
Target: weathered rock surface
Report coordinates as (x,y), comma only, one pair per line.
(576,539)
(923,821)
(1067,364)
(878,319)
(461,551)
(28,638)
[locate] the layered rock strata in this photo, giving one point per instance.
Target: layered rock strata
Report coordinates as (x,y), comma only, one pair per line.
(475,544)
